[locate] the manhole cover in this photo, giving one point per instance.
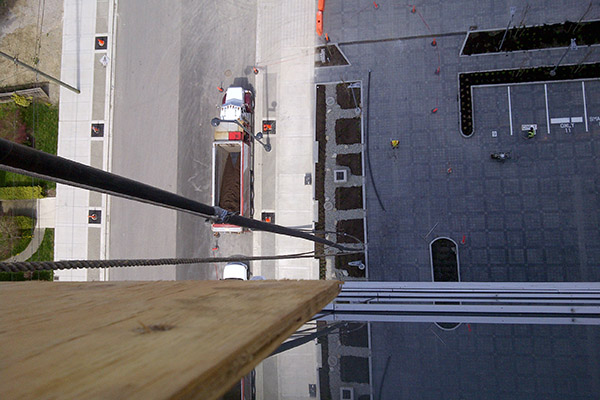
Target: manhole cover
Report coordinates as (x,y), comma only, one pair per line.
(228,72)
(330,101)
(328,206)
(332,361)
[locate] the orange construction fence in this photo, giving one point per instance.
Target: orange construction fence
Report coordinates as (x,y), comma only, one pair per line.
(320,23)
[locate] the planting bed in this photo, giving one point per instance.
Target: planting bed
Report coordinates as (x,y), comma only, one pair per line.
(533,37)
(320,172)
(347,97)
(445,261)
(341,262)
(347,131)
(340,203)
(348,198)
(352,227)
(333,56)
(352,161)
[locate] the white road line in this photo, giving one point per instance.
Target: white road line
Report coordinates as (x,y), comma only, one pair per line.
(576,119)
(566,120)
(584,106)
(547,113)
(509,111)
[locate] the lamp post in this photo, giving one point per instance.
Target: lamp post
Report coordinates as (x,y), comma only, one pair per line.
(572,46)
(513,10)
(217,121)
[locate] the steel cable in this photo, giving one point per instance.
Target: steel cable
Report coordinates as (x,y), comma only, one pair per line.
(74,264)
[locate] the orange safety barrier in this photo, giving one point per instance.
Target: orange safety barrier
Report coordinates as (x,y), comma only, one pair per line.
(321,5)
(320,23)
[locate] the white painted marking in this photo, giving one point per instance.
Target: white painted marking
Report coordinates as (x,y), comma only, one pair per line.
(560,120)
(567,127)
(510,111)
(584,105)
(576,120)
(547,113)
(527,127)
(494,133)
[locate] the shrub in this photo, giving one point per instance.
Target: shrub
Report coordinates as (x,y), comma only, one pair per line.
(21,193)
(27,276)
(15,235)
(23,222)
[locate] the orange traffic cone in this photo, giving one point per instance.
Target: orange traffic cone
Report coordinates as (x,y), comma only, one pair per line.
(434,43)
(220,89)
(434,110)
(414,9)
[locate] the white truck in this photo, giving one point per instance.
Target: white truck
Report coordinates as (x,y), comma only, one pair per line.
(233,151)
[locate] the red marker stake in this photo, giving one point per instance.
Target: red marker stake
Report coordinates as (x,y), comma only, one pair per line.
(463,239)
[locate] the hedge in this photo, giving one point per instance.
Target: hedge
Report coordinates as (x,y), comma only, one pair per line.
(24,276)
(15,235)
(21,193)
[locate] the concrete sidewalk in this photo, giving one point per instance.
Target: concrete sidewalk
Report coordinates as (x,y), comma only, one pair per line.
(83,130)
(286,93)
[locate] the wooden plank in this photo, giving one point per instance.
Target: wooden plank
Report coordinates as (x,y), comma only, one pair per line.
(163,340)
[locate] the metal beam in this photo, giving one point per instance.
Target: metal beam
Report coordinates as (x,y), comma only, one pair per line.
(484,302)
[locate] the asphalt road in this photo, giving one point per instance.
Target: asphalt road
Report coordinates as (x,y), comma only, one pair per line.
(218,45)
(170,58)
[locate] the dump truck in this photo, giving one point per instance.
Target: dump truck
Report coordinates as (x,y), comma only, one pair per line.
(233,157)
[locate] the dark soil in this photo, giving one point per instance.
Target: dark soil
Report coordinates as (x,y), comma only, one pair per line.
(348,198)
(354,369)
(5,7)
(333,56)
(323,340)
(539,74)
(534,37)
(445,261)
(320,173)
(355,335)
(341,262)
(347,98)
(352,161)
(347,131)
(13,126)
(352,227)
(448,325)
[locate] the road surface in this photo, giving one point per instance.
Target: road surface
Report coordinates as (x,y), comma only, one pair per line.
(170,58)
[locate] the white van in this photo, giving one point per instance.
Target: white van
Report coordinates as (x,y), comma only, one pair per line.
(236,270)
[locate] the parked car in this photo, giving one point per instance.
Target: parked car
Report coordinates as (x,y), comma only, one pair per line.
(236,270)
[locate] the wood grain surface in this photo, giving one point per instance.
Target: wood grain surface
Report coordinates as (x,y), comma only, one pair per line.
(150,340)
